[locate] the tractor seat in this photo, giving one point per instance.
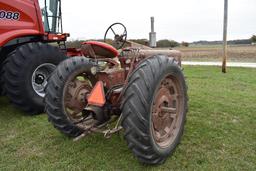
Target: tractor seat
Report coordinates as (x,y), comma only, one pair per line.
(102,49)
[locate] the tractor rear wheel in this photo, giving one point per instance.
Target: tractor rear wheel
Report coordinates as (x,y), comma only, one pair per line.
(154,109)
(25,75)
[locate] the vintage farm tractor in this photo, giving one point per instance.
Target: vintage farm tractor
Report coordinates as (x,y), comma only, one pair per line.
(102,90)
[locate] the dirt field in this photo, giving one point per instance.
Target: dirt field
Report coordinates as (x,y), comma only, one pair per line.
(241,53)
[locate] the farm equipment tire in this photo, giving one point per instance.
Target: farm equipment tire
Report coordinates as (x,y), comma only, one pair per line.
(56,90)
(25,75)
(1,80)
(154,109)
(3,56)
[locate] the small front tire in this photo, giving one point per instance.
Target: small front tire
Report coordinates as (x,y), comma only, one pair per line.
(68,76)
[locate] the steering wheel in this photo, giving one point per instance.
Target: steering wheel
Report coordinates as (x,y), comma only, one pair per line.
(120,35)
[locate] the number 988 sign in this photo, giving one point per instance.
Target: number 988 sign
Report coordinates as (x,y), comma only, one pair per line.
(9,15)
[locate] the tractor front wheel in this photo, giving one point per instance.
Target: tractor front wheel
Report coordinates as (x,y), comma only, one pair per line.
(25,75)
(154,109)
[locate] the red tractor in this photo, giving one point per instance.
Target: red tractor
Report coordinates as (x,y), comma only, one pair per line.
(104,90)
(26,58)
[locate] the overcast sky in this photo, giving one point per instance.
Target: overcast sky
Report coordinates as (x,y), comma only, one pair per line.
(180,20)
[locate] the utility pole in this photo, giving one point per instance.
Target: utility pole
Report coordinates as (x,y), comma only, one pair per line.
(225,26)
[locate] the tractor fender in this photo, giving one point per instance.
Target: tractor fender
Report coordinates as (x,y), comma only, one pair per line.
(5,38)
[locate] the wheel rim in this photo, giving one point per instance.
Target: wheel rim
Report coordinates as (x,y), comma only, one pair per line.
(167,111)
(40,77)
(75,93)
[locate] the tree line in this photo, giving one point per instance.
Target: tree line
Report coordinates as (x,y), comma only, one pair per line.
(172,43)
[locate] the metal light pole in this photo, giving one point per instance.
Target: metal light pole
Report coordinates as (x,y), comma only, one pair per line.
(225,25)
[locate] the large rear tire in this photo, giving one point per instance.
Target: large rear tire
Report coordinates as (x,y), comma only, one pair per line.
(25,74)
(154,109)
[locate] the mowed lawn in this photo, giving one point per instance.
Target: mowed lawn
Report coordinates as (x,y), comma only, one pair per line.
(220,132)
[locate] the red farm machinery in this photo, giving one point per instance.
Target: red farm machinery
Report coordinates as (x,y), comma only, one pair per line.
(100,88)
(26,58)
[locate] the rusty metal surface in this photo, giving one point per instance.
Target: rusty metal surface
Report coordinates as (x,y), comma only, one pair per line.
(87,50)
(112,77)
(132,44)
(75,98)
(103,128)
(170,53)
(166,112)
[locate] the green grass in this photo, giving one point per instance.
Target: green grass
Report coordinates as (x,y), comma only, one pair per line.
(220,132)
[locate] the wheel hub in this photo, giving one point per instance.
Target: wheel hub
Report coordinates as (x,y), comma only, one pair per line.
(76,97)
(39,77)
(164,113)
